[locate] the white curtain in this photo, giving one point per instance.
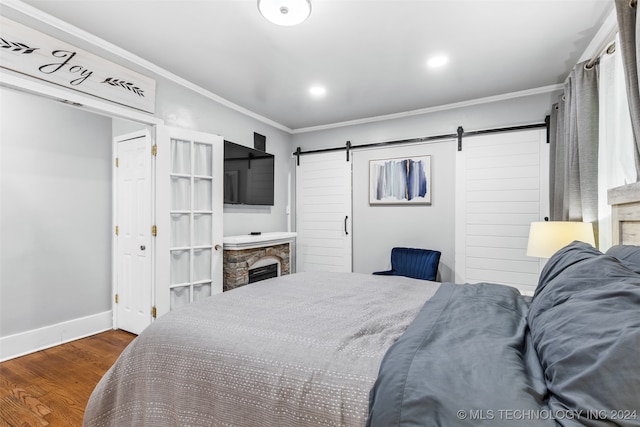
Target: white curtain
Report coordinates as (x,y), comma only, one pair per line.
(189,264)
(180,230)
(180,267)
(180,156)
(202,224)
(616,164)
(180,194)
(201,264)
(180,164)
(202,159)
(202,195)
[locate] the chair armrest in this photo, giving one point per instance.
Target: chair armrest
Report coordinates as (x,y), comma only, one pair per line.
(385,273)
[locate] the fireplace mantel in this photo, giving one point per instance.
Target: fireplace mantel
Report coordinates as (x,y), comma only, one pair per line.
(248,241)
(245,252)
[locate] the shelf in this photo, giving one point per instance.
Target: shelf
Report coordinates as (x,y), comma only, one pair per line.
(248,241)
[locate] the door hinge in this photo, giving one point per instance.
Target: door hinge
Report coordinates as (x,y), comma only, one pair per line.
(154,150)
(154,312)
(154,230)
(116,298)
(117,230)
(117,162)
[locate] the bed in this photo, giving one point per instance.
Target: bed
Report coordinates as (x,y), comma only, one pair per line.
(298,350)
(336,349)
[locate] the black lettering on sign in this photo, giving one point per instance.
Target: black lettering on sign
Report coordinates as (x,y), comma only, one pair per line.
(66,56)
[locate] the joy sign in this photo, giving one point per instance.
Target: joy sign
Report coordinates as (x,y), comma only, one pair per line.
(27,51)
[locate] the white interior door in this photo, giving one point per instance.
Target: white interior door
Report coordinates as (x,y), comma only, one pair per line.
(133,219)
(196,212)
(502,185)
(323,213)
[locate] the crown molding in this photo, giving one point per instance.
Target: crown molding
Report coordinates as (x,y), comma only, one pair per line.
(608,27)
(74,31)
(605,35)
(462,104)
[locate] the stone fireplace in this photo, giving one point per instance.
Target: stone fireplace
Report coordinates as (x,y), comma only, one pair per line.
(257,257)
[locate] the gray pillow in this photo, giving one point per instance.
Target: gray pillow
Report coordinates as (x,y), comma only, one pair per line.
(628,254)
(585,326)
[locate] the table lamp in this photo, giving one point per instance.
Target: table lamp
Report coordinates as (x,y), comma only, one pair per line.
(547,237)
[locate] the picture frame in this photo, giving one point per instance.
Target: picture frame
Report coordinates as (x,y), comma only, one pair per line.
(400,181)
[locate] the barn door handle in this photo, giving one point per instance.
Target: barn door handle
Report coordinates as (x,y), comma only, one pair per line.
(345,225)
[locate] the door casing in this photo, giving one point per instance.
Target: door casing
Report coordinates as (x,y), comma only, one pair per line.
(134,245)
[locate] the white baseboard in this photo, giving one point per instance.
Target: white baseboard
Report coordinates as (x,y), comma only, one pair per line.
(27,342)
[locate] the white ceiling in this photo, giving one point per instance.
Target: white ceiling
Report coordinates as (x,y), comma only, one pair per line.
(370,55)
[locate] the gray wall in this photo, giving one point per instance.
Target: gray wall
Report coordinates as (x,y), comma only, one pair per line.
(38,284)
(183,108)
(56,199)
(55,213)
(376,229)
(186,109)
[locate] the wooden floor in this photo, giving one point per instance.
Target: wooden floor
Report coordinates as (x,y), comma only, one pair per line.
(52,387)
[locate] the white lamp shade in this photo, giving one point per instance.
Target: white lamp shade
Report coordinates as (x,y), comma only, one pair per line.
(285,12)
(546,238)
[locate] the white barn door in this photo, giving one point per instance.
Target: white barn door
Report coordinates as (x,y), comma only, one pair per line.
(502,185)
(323,213)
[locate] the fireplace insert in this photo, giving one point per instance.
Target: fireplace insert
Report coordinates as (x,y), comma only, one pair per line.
(262,273)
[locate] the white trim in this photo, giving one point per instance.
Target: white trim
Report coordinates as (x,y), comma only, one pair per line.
(605,35)
(462,104)
(248,241)
(34,13)
(22,343)
(114,237)
(103,44)
(80,100)
(74,68)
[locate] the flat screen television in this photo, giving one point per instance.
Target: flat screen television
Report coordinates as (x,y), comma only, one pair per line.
(248,175)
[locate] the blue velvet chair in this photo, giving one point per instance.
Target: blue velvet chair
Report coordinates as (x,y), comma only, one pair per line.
(412,262)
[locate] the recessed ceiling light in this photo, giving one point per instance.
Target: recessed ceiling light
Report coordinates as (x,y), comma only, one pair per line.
(437,61)
(317,90)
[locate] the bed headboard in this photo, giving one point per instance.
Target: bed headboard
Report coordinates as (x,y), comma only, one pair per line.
(625,214)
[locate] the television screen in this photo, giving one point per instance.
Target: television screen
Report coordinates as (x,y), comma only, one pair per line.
(248,175)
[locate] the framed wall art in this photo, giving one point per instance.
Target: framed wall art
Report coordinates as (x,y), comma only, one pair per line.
(404,180)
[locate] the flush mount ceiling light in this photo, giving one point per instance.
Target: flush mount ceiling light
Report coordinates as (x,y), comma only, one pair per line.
(285,12)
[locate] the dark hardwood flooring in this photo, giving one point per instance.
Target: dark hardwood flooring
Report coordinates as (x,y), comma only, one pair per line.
(51,387)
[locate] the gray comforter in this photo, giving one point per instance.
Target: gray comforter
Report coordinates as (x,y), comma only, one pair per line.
(465,360)
(481,354)
(299,350)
